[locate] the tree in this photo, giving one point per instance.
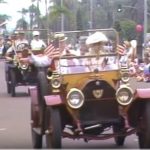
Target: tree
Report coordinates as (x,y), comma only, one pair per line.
(22,23)
(55,16)
(34,16)
(37,11)
(128,29)
(3,17)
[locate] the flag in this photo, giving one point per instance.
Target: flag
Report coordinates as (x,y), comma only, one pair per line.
(51,51)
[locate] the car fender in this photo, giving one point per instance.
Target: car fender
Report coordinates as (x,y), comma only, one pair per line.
(52,100)
(142,93)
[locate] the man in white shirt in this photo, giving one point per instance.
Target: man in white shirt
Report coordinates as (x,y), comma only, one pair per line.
(37,43)
(20,40)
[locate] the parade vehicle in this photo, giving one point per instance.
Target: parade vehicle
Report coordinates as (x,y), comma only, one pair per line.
(89,97)
(18,73)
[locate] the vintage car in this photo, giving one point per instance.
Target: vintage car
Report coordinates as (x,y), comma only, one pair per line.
(18,73)
(81,97)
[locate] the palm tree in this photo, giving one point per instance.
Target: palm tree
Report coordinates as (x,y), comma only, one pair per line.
(3,17)
(34,13)
(21,23)
(62,14)
(37,11)
(2,1)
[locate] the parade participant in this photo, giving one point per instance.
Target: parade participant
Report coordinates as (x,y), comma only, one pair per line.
(49,53)
(37,43)
(97,46)
(96,43)
(18,39)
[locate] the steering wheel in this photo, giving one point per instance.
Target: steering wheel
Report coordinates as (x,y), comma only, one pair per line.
(22,46)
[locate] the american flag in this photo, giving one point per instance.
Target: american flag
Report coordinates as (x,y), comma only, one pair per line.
(51,51)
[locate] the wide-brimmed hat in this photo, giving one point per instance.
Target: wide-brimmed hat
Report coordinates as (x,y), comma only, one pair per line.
(96,38)
(60,36)
(36,33)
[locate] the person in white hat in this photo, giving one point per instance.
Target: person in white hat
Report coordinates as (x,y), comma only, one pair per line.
(96,42)
(37,43)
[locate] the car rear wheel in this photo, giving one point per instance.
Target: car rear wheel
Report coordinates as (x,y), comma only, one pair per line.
(53,132)
(13,83)
(144,133)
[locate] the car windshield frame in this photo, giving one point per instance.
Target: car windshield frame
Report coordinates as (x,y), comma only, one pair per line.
(76,68)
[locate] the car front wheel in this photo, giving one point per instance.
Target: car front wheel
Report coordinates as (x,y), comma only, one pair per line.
(53,132)
(144,131)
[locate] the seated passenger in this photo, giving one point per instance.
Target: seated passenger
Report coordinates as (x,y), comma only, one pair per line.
(37,43)
(49,53)
(96,43)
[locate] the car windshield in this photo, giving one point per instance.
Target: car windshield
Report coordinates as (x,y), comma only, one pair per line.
(80,57)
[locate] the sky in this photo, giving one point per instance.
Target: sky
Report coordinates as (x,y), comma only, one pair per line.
(11,8)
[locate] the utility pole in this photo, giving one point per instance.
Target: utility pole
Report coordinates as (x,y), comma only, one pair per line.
(38,15)
(140,22)
(47,21)
(145,20)
(91,14)
(62,16)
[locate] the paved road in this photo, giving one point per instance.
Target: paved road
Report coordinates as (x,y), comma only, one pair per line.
(15,123)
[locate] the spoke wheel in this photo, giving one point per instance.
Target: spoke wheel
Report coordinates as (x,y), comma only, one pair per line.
(53,132)
(144,133)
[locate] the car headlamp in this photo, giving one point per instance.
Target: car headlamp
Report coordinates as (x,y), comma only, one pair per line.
(125,77)
(55,82)
(124,95)
(75,98)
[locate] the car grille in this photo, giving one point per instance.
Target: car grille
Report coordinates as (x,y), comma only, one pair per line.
(102,110)
(108,91)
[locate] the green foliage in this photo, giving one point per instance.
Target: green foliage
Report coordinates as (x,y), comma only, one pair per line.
(22,24)
(128,29)
(4,17)
(56,11)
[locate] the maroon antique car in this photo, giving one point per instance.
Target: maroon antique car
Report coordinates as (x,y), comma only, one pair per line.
(88,101)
